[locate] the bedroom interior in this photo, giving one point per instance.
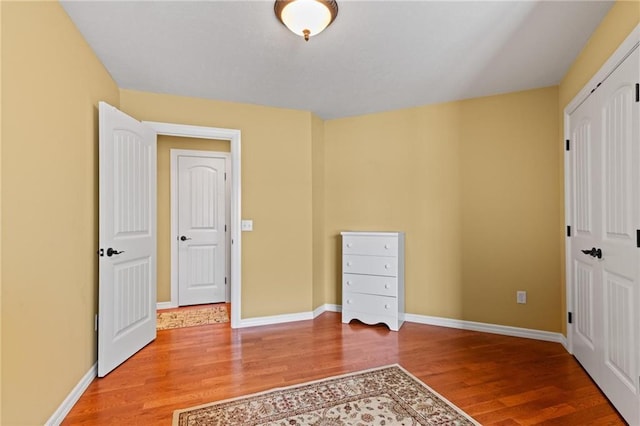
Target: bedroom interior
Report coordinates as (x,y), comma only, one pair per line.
(305,180)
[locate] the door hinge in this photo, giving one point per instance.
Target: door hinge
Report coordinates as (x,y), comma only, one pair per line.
(568,145)
(568,231)
(570,317)
(637,92)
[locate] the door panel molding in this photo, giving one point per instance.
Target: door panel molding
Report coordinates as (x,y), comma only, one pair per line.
(233,175)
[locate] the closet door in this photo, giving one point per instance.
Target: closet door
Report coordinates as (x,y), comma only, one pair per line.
(605,191)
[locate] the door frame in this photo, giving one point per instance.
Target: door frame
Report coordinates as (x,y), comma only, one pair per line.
(174,154)
(233,136)
(631,42)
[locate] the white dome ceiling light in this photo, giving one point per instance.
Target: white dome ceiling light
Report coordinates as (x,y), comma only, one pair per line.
(306,18)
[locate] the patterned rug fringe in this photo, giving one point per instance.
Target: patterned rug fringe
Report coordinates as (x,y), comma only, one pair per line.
(192,317)
(385,395)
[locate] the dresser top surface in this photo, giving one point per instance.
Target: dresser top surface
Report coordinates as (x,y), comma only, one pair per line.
(370,233)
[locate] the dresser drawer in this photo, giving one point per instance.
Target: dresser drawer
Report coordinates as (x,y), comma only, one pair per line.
(374,265)
(373,246)
(369,304)
(371,284)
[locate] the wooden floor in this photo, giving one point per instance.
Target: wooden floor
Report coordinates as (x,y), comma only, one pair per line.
(498,380)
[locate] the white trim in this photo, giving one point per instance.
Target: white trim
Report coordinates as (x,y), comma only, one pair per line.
(632,41)
(326,308)
(173,165)
(626,47)
(73,397)
(165,305)
(419,319)
(275,319)
(486,328)
(234,138)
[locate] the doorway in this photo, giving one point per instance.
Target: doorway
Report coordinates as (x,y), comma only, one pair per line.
(232,137)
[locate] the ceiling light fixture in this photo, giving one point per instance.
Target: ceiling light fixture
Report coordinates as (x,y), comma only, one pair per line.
(306,17)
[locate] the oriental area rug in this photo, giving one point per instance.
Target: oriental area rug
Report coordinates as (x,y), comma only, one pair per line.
(191,317)
(384,396)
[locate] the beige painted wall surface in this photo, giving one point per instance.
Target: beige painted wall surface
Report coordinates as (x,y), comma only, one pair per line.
(510,211)
(317,158)
(430,171)
(0,219)
(165,145)
(51,84)
(623,17)
(400,171)
(276,192)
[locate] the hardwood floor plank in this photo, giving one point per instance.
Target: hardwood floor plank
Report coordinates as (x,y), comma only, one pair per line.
(499,380)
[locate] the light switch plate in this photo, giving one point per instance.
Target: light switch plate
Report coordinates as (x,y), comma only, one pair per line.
(246,225)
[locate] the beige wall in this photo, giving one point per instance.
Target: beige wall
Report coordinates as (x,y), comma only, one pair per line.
(276,192)
(318,214)
(51,84)
(623,17)
(165,145)
(463,180)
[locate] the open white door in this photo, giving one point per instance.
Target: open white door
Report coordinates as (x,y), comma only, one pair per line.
(127,237)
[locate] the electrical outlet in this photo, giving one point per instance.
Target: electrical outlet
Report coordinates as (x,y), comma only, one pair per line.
(521,296)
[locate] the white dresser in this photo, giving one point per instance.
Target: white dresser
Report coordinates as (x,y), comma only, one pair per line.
(373,278)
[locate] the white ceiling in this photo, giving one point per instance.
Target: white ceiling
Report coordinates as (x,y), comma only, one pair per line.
(376,56)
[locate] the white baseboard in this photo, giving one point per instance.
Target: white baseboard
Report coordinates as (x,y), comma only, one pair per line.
(73,397)
(486,328)
(326,308)
(165,305)
(275,319)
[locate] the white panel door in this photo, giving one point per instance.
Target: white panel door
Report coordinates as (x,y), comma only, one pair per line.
(619,113)
(201,230)
(605,203)
(585,202)
(127,266)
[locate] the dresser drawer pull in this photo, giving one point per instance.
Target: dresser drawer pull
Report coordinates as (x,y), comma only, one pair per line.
(387,306)
(387,266)
(348,263)
(349,245)
(348,282)
(386,246)
(387,286)
(348,301)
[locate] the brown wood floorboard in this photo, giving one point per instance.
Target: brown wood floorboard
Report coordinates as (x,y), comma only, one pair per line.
(499,380)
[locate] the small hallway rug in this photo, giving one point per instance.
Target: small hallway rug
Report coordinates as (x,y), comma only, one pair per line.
(384,396)
(189,317)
